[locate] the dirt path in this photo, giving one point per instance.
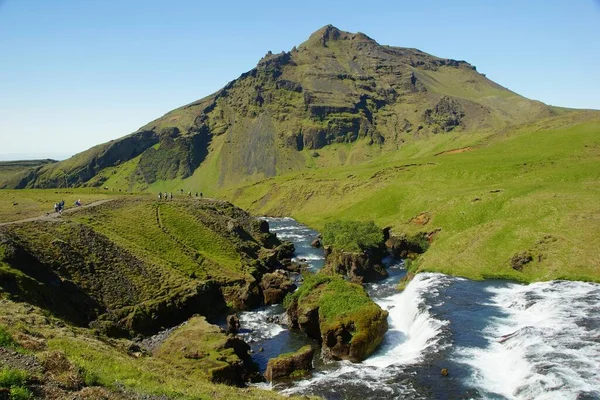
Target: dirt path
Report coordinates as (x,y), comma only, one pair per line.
(55,215)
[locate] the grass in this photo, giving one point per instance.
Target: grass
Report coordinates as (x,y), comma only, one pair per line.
(352,235)
(334,296)
(16,381)
(506,195)
(29,203)
(6,339)
(105,362)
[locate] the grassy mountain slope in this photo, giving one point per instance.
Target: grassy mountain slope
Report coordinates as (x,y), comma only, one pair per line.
(133,265)
(532,190)
(294,110)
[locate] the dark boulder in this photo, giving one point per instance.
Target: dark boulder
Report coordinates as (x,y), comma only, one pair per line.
(519,260)
(290,365)
(316,243)
(233,324)
(275,286)
(360,267)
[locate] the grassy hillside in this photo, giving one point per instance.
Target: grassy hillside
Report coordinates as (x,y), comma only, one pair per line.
(133,265)
(77,288)
(22,204)
(534,189)
(88,366)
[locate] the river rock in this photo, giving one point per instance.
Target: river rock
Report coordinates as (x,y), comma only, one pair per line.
(359,267)
(316,243)
(351,332)
(233,324)
(295,364)
(275,286)
(409,246)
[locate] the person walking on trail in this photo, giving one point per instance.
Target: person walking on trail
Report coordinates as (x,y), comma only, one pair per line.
(55,207)
(171,195)
(78,202)
(159,195)
(200,194)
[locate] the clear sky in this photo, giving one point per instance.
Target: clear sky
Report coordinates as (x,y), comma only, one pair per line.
(75,73)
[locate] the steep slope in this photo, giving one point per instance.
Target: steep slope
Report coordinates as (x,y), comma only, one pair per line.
(294,110)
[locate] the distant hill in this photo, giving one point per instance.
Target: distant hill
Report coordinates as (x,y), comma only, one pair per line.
(337,90)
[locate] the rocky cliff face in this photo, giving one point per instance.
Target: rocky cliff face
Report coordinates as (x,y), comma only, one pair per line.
(337,87)
(359,267)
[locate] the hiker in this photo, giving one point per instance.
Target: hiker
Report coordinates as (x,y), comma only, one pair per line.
(200,194)
(196,194)
(171,195)
(159,195)
(55,207)
(78,203)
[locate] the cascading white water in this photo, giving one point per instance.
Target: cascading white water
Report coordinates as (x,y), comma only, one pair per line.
(412,329)
(498,339)
(545,344)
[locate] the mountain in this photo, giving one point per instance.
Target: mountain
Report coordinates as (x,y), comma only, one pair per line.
(297,109)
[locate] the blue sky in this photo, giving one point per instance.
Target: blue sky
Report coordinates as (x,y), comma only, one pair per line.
(75,73)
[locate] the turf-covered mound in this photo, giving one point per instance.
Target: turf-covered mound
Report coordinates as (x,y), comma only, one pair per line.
(290,365)
(339,314)
(202,348)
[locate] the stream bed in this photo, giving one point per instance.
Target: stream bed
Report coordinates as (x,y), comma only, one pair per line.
(498,339)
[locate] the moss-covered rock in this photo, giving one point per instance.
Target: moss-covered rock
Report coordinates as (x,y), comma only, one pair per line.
(339,314)
(290,365)
(203,349)
(364,266)
(275,286)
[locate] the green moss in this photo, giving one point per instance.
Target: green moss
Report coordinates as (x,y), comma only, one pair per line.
(352,235)
(20,393)
(6,340)
(12,377)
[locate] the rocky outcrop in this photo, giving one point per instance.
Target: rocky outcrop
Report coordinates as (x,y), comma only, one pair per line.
(275,286)
(290,365)
(520,260)
(201,346)
(409,246)
(365,266)
(233,324)
(340,315)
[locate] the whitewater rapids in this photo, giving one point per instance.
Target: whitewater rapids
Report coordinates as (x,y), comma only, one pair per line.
(498,339)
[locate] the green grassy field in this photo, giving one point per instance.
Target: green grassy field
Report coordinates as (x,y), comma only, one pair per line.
(535,189)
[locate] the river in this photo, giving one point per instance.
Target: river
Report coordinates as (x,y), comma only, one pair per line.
(498,339)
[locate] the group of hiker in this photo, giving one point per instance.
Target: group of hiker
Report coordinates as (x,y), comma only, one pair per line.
(165,195)
(169,196)
(60,206)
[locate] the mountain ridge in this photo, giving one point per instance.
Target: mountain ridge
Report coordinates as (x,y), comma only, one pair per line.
(335,88)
